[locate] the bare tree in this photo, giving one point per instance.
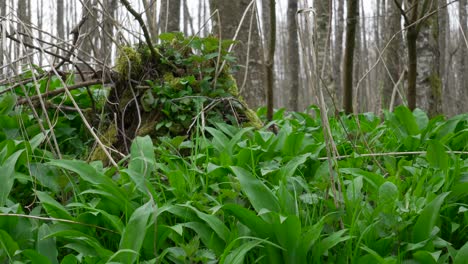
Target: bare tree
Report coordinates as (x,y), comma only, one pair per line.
(2,44)
(109,12)
(322,22)
(338,46)
(428,79)
(248,49)
(293,56)
(265,25)
(23,13)
(169,16)
(448,91)
(151,17)
(188,20)
(392,54)
(40,16)
(419,20)
(463,57)
(444,34)
(348,57)
(60,20)
(270,63)
(89,32)
(367,101)
(415,14)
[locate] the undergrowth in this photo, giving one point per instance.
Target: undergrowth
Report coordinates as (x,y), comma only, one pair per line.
(242,195)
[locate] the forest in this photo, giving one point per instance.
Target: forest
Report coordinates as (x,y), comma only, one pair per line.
(234,131)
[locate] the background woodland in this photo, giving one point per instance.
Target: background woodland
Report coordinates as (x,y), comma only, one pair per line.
(237,131)
(310,37)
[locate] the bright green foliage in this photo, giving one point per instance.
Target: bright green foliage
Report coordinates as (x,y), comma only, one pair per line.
(18,123)
(240,195)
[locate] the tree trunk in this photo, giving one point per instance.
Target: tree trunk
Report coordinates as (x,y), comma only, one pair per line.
(271,60)
(110,10)
(392,53)
(169,16)
(428,78)
(367,103)
(411,38)
(348,57)
(89,31)
(293,56)
(358,96)
(463,57)
(151,18)
(2,45)
(23,13)
(444,36)
(188,21)
(40,17)
(444,31)
(231,13)
(322,21)
(266,26)
(60,21)
(338,47)
(411,41)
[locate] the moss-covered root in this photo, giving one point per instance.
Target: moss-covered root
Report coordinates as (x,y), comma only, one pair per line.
(109,137)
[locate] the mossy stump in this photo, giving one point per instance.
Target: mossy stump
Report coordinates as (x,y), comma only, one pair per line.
(164,96)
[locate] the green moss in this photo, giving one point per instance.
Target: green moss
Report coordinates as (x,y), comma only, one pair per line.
(108,138)
(233,89)
(128,61)
(436,94)
(254,120)
(173,82)
(436,85)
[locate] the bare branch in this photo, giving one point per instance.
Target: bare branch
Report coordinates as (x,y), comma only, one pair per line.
(403,13)
(59,91)
(143,26)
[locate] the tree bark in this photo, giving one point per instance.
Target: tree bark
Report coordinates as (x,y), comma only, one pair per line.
(423,67)
(338,47)
(392,53)
(411,38)
(40,17)
(271,60)
(293,56)
(151,18)
(428,78)
(366,102)
(231,13)
(188,21)
(23,13)
(265,26)
(169,16)
(89,31)
(322,21)
(348,57)
(2,45)
(110,9)
(412,33)
(463,57)
(60,21)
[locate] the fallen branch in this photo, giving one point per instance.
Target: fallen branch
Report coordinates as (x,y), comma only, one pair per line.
(59,91)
